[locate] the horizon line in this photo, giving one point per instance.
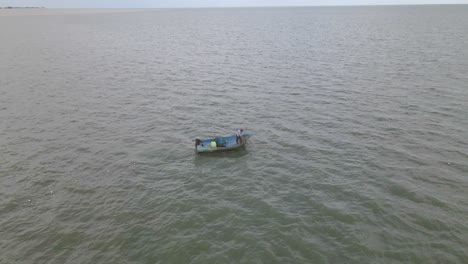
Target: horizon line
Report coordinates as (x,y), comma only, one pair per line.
(215,7)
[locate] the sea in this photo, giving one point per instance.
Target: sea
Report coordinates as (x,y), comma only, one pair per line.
(359,151)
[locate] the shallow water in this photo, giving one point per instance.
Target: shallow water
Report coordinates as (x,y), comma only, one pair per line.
(359,153)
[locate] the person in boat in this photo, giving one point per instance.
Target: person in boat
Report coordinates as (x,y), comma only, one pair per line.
(198,143)
(239,136)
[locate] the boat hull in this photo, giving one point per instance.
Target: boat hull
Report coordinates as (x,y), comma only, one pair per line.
(230,144)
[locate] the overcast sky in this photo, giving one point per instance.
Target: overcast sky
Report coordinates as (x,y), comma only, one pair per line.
(210,3)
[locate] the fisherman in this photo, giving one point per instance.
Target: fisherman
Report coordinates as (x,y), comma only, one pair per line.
(197,143)
(239,136)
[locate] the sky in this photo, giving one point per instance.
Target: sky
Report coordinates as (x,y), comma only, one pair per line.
(209,3)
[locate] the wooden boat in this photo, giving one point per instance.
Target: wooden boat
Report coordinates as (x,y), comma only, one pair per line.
(212,144)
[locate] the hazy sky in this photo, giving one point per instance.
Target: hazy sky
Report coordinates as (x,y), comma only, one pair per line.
(211,3)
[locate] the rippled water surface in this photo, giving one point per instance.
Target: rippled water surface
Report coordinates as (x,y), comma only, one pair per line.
(359,153)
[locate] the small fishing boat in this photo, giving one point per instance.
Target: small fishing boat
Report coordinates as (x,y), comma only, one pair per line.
(220,144)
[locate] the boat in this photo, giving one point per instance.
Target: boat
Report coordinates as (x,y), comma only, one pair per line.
(213,144)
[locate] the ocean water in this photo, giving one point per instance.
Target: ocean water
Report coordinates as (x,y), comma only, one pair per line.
(359,153)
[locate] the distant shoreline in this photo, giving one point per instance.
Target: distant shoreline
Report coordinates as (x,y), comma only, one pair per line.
(41,11)
(22,7)
(70,11)
(216,7)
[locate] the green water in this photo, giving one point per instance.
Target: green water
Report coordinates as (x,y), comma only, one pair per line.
(359,153)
